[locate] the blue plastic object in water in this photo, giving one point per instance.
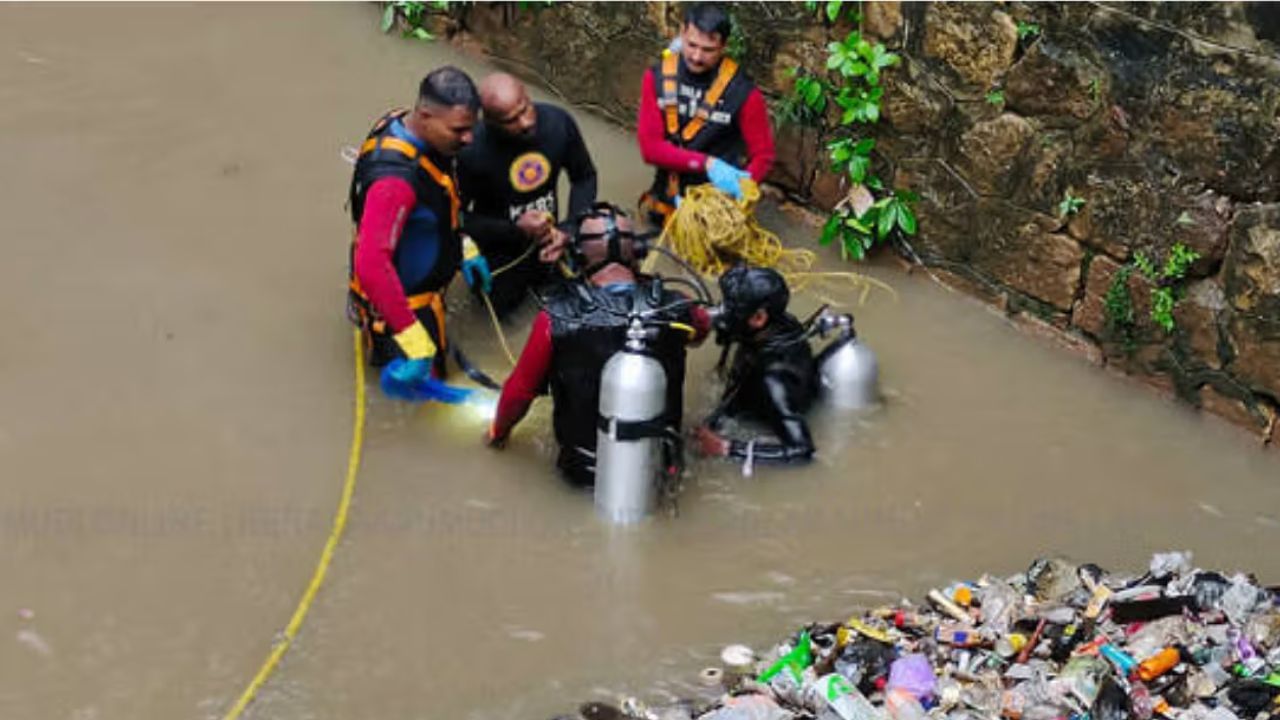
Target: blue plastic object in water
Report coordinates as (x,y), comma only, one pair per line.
(401,380)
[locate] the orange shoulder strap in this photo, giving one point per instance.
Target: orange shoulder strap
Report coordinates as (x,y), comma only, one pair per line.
(443,180)
(670,91)
(728,68)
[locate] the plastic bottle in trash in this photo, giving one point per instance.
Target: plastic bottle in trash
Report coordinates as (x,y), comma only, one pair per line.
(838,698)
(1159,664)
(1140,703)
(793,662)
(1121,659)
(903,705)
(958,635)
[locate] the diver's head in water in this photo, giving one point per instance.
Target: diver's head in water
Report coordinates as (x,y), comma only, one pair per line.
(751,298)
(603,239)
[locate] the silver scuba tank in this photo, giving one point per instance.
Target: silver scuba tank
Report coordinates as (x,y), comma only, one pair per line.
(847,368)
(633,393)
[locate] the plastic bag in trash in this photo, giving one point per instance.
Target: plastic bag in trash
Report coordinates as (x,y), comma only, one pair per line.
(1239,601)
(1052,579)
(1168,564)
(1001,605)
(1252,697)
(863,661)
(914,674)
(749,707)
(1112,703)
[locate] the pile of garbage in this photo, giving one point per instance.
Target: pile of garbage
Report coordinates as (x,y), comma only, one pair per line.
(1059,641)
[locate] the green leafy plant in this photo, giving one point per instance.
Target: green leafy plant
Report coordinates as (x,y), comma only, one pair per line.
(859,231)
(1027,30)
(852,84)
(1095,89)
(1117,308)
(414,13)
(807,101)
(1166,281)
(1070,205)
(996,97)
(736,46)
(829,10)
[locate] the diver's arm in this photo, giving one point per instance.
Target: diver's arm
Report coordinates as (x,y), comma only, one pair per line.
(655,148)
(753,123)
(386,207)
(794,443)
(526,381)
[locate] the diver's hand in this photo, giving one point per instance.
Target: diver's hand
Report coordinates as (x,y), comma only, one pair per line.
(535,224)
(554,246)
(727,178)
(495,442)
(709,442)
(475,269)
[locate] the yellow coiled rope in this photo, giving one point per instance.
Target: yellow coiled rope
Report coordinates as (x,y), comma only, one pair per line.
(712,232)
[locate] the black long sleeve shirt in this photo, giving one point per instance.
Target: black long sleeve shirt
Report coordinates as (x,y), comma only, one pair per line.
(773,380)
(501,177)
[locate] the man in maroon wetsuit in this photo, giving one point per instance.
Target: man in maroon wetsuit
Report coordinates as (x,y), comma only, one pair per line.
(700,118)
(405,204)
(583,323)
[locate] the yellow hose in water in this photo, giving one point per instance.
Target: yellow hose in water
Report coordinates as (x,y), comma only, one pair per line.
(713,232)
(326,555)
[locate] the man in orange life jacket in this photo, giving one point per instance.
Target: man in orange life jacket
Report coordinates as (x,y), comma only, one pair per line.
(700,119)
(404,202)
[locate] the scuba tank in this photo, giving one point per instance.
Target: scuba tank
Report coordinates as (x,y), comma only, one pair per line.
(847,369)
(633,390)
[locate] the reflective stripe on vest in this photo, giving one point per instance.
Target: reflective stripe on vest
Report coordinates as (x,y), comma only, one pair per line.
(671,99)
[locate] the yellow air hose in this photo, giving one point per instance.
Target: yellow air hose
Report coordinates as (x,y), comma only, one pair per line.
(713,232)
(285,640)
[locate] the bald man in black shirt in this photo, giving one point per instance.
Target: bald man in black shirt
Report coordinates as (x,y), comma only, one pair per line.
(509,175)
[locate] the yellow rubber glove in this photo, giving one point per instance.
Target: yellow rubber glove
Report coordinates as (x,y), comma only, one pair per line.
(475,268)
(416,342)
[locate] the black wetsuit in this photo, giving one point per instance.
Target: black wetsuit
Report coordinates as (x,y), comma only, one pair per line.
(501,177)
(773,379)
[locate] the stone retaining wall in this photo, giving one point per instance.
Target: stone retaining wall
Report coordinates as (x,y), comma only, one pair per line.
(1164,118)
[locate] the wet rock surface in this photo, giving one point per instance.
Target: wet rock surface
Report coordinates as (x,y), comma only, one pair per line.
(1161,118)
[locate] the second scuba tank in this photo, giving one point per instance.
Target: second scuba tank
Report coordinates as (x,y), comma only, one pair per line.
(847,369)
(633,391)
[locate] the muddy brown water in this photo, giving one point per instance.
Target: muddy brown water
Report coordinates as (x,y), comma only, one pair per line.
(175,395)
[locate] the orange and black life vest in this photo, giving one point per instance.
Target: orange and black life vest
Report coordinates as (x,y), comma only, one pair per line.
(429,251)
(698,114)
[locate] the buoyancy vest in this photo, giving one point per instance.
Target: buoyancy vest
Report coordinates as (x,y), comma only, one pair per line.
(699,113)
(428,252)
(589,325)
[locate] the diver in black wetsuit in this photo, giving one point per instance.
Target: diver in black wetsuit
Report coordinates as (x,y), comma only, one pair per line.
(773,377)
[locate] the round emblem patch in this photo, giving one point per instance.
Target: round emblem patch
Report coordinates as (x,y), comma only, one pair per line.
(530,171)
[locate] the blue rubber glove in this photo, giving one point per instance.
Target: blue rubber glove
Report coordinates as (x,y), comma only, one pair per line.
(474,267)
(727,178)
(411,380)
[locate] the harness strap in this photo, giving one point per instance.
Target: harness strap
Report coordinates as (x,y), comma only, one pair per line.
(728,68)
(629,430)
(432,300)
(441,178)
(670,91)
(652,203)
